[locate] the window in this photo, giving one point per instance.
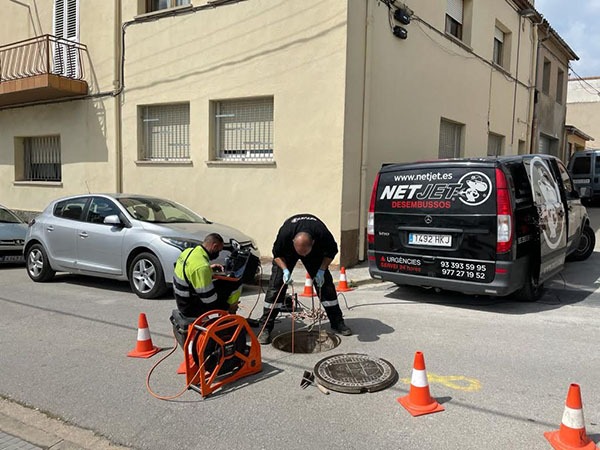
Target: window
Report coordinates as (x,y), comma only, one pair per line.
(566,179)
(560,80)
(39,158)
(165,131)
(498,46)
(243,129)
(495,144)
(99,209)
(546,77)
(157,5)
(582,165)
(71,208)
(450,139)
(66,27)
(454,18)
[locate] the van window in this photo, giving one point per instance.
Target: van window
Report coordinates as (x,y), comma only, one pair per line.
(566,179)
(581,165)
(520,180)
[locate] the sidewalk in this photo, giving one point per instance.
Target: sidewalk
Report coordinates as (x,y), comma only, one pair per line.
(26,428)
(356,276)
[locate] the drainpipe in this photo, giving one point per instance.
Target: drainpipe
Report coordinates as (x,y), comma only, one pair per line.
(512,133)
(118,87)
(364,152)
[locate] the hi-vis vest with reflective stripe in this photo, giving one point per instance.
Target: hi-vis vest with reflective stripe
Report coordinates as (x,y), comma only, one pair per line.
(199,275)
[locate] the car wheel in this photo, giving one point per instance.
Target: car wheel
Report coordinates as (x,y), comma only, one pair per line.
(146,276)
(585,247)
(38,266)
(532,290)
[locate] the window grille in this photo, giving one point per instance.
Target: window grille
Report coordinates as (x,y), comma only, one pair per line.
(165,132)
(244,130)
(42,158)
(450,138)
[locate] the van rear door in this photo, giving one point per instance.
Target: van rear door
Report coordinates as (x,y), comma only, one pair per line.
(437,221)
(551,216)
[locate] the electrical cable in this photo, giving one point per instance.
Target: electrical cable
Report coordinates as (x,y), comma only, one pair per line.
(183,391)
(582,81)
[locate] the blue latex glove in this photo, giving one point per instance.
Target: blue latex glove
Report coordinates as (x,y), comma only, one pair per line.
(320,278)
(287,277)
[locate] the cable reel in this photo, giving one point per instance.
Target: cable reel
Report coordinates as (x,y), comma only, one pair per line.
(220,348)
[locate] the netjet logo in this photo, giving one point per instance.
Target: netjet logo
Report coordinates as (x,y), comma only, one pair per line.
(473,189)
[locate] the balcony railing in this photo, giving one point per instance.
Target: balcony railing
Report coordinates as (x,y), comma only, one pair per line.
(41,68)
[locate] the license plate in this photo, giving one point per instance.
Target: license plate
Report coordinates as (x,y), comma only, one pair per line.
(11,258)
(581,181)
(431,240)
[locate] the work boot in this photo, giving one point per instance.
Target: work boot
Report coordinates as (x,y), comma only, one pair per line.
(265,337)
(341,328)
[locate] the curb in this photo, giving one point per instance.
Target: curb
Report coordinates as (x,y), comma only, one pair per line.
(39,429)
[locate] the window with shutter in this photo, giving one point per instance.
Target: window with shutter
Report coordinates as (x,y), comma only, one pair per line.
(454,18)
(66,28)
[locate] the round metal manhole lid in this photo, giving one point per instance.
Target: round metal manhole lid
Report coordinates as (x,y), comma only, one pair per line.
(354,373)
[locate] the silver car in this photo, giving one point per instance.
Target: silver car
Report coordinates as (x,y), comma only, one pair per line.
(12,236)
(119,236)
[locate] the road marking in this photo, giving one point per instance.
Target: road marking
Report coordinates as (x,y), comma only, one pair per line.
(456,382)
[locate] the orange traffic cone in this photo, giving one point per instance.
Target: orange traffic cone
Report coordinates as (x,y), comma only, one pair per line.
(343,284)
(144,347)
(308,287)
(419,402)
(571,434)
(181,368)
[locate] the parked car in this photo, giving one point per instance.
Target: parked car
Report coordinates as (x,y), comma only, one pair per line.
(490,226)
(120,236)
(584,167)
(12,237)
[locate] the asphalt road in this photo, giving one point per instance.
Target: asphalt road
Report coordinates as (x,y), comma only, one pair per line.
(500,368)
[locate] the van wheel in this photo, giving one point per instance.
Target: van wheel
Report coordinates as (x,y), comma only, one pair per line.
(146,276)
(532,291)
(586,245)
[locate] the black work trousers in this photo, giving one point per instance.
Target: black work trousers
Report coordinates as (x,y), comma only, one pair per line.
(327,293)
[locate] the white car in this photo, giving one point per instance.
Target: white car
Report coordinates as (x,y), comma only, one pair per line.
(120,236)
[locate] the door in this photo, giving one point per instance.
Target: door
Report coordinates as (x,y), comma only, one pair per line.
(66,29)
(575,210)
(100,245)
(552,227)
(60,231)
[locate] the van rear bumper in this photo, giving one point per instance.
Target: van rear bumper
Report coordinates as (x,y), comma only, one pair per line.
(510,277)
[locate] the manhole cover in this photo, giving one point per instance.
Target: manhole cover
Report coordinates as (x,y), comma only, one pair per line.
(306,341)
(354,373)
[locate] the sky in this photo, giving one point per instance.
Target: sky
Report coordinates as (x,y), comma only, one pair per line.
(578,23)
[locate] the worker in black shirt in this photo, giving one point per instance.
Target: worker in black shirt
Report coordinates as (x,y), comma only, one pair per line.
(302,237)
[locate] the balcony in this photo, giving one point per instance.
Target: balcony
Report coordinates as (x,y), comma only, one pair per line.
(40,69)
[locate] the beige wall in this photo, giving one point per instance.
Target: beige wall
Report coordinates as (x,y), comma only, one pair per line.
(86,127)
(413,83)
(292,51)
(583,108)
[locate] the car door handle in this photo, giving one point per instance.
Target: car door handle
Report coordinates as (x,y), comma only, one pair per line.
(83,234)
(50,228)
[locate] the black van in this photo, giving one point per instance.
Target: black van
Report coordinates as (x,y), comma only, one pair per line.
(489,226)
(584,168)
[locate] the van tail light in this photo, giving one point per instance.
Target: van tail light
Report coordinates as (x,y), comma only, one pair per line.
(371,217)
(504,213)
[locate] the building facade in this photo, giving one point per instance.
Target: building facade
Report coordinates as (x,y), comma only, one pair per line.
(251,111)
(583,107)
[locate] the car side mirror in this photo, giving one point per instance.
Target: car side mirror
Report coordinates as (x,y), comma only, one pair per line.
(113,220)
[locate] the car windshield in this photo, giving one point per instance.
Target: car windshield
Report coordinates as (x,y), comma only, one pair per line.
(156,210)
(7,216)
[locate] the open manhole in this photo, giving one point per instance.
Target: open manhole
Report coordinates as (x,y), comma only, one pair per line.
(305,341)
(354,373)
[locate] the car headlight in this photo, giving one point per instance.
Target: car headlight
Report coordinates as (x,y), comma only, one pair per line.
(181,244)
